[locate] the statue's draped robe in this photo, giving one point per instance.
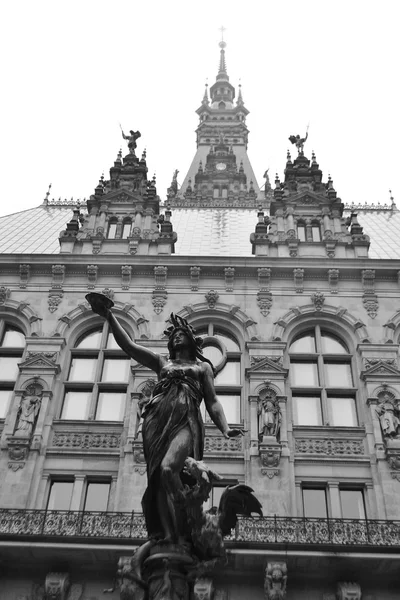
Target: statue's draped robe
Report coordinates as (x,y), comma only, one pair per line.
(174,406)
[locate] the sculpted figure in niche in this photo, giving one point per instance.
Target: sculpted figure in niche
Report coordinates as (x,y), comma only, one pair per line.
(270,416)
(172,427)
(27,415)
(388,416)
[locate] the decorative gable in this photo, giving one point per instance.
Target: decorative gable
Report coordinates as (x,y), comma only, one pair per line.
(380,369)
(266,366)
(43,361)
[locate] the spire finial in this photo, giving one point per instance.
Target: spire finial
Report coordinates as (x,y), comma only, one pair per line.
(46,200)
(222,74)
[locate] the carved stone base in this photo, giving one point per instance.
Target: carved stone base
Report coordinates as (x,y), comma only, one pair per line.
(18,450)
(166,572)
(270,455)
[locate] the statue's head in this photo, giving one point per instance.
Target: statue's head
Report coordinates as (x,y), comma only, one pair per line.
(182,335)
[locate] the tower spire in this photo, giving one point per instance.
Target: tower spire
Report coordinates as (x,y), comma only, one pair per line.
(222,74)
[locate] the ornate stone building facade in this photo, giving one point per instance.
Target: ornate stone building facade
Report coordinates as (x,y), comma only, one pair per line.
(296,297)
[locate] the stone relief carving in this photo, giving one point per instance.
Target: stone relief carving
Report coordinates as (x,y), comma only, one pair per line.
(254,360)
(212,298)
(54,299)
(369,363)
(56,586)
(298,275)
(264,301)
(203,589)
(86,441)
(229,278)
(194,278)
(371,304)
(275,581)
(24,272)
(329,447)
(91,272)
(4,294)
(318,300)
(348,591)
(221,444)
(159,300)
(126,274)
(333,278)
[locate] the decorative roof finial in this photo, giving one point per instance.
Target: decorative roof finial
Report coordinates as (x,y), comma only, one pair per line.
(240,97)
(46,200)
(205,97)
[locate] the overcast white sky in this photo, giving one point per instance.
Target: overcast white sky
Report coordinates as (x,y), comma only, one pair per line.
(71,71)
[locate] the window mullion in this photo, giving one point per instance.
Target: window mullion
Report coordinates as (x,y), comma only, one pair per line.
(95,390)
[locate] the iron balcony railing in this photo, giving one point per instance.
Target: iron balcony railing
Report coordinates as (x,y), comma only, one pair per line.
(105,526)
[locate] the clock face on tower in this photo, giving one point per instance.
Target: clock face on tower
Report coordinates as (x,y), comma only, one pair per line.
(221,166)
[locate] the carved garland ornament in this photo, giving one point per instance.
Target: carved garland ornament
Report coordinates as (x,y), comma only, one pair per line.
(86,440)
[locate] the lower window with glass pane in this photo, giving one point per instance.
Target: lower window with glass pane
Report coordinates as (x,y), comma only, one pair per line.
(230,404)
(314,502)
(342,411)
(97,494)
(307,410)
(110,406)
(60,495)
(352,504)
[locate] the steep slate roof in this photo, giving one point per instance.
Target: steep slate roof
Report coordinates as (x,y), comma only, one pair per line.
(201,232)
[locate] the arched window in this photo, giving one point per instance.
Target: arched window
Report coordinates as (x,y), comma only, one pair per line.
(98,378)
(112,229)
(126,229)
(12,344)
(224,192)
(321,379)
(221,105)
(216,192)
(223,350)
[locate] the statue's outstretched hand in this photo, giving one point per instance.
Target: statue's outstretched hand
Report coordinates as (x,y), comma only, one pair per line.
(229,433)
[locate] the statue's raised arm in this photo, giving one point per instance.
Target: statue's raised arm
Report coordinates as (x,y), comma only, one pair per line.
(102,306)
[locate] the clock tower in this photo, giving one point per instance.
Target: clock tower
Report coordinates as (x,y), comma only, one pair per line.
(220,174)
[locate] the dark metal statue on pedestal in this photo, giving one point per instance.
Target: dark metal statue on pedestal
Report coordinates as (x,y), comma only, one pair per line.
(183,539)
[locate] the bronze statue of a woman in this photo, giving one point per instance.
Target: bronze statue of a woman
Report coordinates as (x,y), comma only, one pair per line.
(172,427)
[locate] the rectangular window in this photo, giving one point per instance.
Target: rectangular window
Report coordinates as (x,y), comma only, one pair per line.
(116,370)
(82,369)
(230,374)
(5,399)
(338,375)
(314,502)
(304,374)
(76,405)
(97,497)
(342,412)
(60,495)
(231,405)
(301,233)
(352,502)
(126,230)
(307,410)
(316,234)
(9,367)
(110,406)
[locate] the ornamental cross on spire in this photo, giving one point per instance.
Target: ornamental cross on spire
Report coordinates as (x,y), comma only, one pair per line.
(222,29)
